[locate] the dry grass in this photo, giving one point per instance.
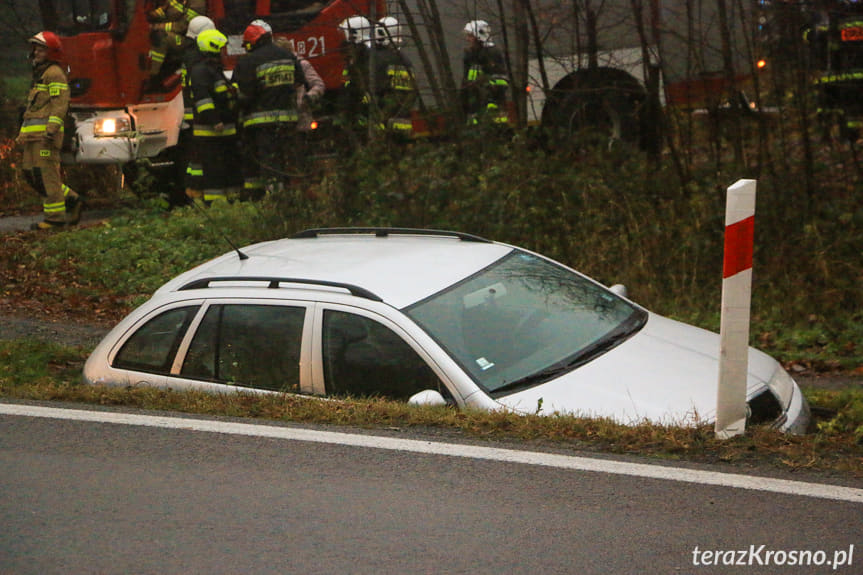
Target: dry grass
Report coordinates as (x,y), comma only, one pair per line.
(34,371)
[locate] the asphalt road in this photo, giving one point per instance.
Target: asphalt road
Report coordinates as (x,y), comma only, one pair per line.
(89,497)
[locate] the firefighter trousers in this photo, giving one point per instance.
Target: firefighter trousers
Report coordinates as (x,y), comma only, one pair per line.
(41,166)
(222,175)
(270,156)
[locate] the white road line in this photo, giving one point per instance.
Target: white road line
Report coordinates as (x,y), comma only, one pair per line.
(783,486)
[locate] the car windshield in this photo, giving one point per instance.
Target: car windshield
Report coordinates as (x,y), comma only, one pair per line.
(525,320)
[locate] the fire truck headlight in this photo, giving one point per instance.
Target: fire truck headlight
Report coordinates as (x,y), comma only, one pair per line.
(112,127)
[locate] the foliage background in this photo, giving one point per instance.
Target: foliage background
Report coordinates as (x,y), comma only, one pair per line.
(611,214)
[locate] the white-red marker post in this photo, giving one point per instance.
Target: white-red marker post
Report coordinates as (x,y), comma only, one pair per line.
(736,300)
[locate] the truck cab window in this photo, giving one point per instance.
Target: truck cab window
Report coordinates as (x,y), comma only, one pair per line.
(71,17)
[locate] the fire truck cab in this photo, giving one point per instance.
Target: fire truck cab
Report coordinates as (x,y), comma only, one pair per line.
(115,116)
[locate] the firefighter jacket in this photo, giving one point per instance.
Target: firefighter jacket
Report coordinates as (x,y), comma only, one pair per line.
(268,78)
(395,87)
(174,15)
(47,104)
(214,100)
(484,84)
(354,99)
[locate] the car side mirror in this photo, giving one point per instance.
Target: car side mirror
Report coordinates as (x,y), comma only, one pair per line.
(427,397)
(619,289)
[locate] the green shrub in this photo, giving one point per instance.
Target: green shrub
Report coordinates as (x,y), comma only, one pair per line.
(612,215)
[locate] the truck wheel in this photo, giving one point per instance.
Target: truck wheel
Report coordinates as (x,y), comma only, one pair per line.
(597,106)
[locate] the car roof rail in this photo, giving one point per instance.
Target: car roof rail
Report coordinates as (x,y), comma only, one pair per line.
(384,232)
(274,283)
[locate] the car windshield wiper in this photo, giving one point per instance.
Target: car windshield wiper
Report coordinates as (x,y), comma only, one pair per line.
(621,333)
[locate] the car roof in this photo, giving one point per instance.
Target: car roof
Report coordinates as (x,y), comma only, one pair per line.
(397,266)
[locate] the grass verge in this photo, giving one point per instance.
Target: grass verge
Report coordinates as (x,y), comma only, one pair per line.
(34,370)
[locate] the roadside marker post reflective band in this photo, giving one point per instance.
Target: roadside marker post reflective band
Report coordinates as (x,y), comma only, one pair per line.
(736,300)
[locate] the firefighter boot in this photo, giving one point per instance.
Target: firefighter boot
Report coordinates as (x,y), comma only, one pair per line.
(46,225)
(74,205)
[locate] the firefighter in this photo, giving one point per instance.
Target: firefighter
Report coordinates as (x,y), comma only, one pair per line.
(169,22)
(395,81)
(268,78)
(191,56)
(214,125)
(484,82)
(41,135)
(355,96)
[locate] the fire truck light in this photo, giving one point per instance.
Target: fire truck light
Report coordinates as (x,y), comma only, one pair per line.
(314,126)
(111,127)
(762,63)
(527,89)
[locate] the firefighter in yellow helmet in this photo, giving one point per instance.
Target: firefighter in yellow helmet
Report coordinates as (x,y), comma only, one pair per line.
(214,127)
(41,135)
(190,155)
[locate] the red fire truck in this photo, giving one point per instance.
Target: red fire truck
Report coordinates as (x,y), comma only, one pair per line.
(106,44)
(593,68)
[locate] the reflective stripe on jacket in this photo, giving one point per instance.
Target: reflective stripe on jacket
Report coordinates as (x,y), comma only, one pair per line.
(214,100)
(47,103)
(268,78)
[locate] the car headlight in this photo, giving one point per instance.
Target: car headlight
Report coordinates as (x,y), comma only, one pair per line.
(106,127)
(782,385)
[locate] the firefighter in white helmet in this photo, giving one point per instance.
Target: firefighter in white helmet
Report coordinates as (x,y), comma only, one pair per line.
(388,32)
(357,30)
(41,135)
(355,97)
(485,87)
(395,81)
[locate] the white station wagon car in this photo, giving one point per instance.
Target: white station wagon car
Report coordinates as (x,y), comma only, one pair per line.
(429,317)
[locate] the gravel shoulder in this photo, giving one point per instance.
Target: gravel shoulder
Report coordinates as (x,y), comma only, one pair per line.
(85,336)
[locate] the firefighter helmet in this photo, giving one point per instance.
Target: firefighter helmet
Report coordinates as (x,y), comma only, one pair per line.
(51,42)
(254,33)
(480,30)
(211,42)
(263,24)
(357,30)
(197,25)
(388,32)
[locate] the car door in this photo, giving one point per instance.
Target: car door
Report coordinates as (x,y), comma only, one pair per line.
(359,353)
(146,353)
(247,343)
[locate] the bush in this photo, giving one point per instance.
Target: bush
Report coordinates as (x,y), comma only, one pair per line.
(621,219)
(613,215)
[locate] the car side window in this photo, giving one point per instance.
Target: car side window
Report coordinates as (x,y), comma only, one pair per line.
(248,345)
(362,357)
(153,346)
